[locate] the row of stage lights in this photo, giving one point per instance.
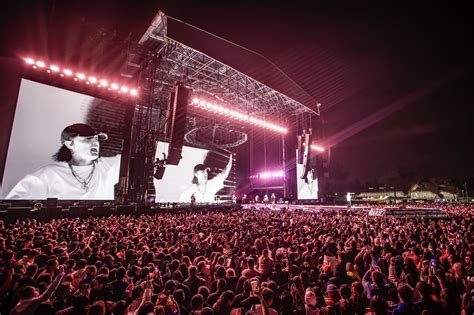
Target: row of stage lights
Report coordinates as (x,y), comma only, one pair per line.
(317,148)
(79,76)
(265,175)
(237,115)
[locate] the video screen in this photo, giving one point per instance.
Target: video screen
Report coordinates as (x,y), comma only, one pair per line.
(63,145)
(209,176)
(306,184)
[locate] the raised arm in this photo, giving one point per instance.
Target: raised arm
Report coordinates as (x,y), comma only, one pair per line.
(52,287)
(225,172)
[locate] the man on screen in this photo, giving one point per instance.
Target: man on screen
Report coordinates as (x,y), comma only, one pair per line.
(203,189)
(78,172)
(309,189)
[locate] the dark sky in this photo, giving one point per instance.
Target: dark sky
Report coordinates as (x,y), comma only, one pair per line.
(395,80)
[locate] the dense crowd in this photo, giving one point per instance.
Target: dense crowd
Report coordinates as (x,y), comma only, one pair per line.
(239,262)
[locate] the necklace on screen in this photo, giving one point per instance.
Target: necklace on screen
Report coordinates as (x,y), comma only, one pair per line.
(83,181)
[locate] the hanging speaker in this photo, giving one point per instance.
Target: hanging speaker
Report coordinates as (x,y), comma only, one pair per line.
(177,128)
(299,152)
(306,152)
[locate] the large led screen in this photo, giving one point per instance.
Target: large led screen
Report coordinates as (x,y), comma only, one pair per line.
(63,145)
(307,184)
(207,175)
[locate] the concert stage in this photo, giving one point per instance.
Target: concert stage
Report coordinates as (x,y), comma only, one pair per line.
(303,207)
(409,212)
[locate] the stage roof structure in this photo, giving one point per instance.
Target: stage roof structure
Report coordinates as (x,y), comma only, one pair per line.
(206,75)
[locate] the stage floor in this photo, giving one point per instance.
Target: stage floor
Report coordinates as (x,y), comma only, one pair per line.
(305,208)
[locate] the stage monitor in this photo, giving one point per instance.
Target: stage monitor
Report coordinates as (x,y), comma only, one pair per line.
(207,175)
(306,182)
(63,145)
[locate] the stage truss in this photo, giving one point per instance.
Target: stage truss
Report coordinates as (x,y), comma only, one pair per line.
(207,75)
(159,62)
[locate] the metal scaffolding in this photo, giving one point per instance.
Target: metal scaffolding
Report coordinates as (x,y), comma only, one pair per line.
(160,62)
(206,75)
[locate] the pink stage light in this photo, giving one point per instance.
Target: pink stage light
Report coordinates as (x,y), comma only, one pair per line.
(236,114)
(317,148)
(39,64)
(269,174)
(54,68)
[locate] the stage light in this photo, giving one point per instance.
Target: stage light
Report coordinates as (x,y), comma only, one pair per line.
(134,92)
(104,83)
(67,72)
(80,76)
(317,148)
(124,89)
(92,80)
(114,86)
(40,64)
(29,61)
(269,174)
(54,68)
(237,115)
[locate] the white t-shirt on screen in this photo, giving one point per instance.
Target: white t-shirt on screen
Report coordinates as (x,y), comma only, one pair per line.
(56,180)
(212,186)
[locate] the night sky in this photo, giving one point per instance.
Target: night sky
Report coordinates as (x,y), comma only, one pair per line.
(395,80)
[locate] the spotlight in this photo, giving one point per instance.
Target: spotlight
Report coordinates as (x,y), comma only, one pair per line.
(80,76)
(114,86)
(202,102)
(104,82)
(317,148)
(54,68)
(29,61)
(92,79)
(134,92)
(195,100)
(124,89)
(67,72)
(40,64)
